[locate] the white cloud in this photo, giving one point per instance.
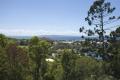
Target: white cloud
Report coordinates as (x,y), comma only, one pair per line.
(26,32)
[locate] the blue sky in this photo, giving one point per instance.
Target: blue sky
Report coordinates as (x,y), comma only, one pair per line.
(45,17)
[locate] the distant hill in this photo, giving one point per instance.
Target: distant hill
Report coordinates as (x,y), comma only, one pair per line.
(62,37)
(51,37)
(20,37)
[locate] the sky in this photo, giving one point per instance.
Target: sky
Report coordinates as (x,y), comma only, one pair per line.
(45,17)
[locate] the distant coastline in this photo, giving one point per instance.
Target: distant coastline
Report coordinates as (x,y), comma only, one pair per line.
(52,37)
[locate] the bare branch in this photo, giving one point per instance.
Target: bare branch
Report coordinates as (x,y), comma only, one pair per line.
(109,22)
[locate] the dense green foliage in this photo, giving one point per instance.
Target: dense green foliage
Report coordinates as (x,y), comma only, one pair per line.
(44,59)
(66,61)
